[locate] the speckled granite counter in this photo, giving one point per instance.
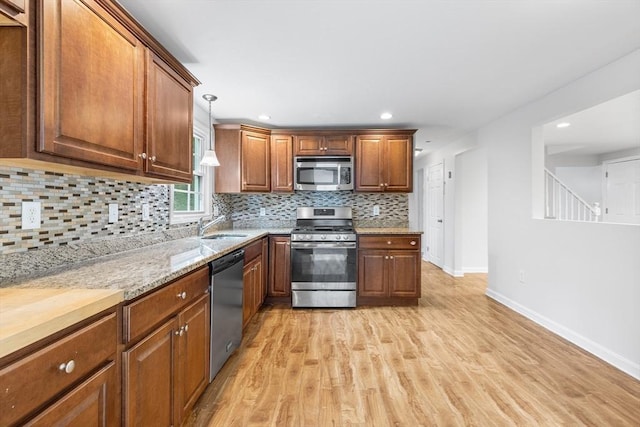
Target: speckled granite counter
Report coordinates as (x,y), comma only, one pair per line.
(141,270)
(400,230)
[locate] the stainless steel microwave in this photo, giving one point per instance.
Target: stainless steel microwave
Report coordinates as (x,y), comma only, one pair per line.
(323,173)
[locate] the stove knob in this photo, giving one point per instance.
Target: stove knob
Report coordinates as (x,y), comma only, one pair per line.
(323,237)
(307,237)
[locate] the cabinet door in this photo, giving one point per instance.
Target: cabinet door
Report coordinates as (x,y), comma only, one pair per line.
(169,122)
(91,101)
(94,403)
(281,163)
(404,273)
(369,163)
(149,378)
(398,171)
(372,275)
(248,290)
(258,286)
(338,145)
(255,162)
(16,5)
(279,266)
(308,145)
(193,359)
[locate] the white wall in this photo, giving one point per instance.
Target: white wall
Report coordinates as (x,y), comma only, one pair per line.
(582,280)
(585,181)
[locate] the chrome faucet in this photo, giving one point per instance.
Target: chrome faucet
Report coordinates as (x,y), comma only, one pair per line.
(202,226)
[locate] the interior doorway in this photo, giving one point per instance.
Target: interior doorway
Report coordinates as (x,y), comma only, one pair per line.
(622,191)
(435,214)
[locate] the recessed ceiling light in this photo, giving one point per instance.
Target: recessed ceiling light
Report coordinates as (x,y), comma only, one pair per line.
(264,117)
(563,125)
(386,116)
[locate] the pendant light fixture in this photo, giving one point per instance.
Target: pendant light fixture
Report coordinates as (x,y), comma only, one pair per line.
(210,159)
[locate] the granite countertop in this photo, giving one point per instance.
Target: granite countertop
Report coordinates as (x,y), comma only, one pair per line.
(397,230)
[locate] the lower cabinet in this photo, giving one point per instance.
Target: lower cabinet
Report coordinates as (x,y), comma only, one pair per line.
(279,267)
(253,280)
(71,381)
(166,371)
(389,269)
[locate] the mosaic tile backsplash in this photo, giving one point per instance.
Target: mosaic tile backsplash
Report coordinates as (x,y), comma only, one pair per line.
(75,227)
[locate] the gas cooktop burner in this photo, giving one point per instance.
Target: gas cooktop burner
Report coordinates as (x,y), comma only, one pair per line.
(324,224)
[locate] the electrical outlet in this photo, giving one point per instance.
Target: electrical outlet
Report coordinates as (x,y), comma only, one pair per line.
(521,276)
(263,211)
(376,210)
(30,215)
(113,213)
(145,211)
(216,210)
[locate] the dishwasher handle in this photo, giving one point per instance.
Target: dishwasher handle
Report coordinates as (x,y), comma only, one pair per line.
(227,261)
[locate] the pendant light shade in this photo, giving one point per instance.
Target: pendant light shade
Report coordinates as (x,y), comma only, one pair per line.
(210,159)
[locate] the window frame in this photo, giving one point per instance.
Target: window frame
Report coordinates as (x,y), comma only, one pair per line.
(192,216)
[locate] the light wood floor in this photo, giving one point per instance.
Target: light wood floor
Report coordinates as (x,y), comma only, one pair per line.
(457,359)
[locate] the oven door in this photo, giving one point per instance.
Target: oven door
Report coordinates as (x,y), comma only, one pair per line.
(323,265)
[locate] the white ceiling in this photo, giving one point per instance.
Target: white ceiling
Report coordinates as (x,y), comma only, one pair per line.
(605,128)
(443,67)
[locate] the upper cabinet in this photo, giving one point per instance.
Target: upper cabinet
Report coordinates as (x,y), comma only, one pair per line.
(384,163)
(105,95)
(169,122)
(244,153)
(323,144)
(281,163)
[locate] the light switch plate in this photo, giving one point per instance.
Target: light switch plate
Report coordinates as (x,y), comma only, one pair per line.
(263,211)
(216,210)
(376,210)
(145,211)
(113,213)
(30,215)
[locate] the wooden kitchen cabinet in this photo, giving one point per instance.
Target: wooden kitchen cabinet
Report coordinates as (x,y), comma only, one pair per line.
(169,124)
(321,145)
(166,361)
(384,163)
(253,279)
(281,163)
(279,268)
(72,380)
(244,153)
(92,91)
(389,269)
(13,8)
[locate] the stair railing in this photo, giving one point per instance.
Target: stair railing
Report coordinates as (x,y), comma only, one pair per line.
(564,204)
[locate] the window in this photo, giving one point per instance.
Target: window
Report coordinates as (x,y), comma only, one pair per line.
(189,201)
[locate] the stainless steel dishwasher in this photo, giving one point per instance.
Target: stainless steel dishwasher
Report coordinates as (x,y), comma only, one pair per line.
(226,308)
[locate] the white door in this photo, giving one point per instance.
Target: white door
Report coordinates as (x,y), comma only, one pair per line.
(435,214)
(622,192)
(418,183)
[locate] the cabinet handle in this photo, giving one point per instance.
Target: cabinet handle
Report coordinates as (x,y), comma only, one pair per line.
(67,367)
(180,331)
(152,158)
(412,243)
(182,295)
(142,155)
(186,327)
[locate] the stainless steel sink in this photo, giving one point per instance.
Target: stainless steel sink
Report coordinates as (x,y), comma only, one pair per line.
(224,236)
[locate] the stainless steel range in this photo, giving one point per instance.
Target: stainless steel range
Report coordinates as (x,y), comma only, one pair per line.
(323,258)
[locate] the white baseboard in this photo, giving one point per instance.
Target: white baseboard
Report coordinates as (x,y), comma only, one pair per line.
(451,272)
(594,348)
(475,270)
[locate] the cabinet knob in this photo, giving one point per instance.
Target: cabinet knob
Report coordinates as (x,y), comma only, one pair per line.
(152,158)
(180,331)
(386,185)
(388,242)
(67,367)
(412,243)
(186,327)
(142,155)
(390,257)
(182,295)
(386,257)
(381,185)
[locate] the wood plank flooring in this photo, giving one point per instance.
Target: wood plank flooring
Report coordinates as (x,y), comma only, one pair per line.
(458,358)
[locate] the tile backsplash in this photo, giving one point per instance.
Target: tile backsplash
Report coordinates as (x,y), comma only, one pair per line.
(75,227)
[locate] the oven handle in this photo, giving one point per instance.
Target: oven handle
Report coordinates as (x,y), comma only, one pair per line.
(334,245)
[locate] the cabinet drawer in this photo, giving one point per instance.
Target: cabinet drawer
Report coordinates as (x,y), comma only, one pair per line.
(401,241)
(252,251)
(142,315)
(31,382)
